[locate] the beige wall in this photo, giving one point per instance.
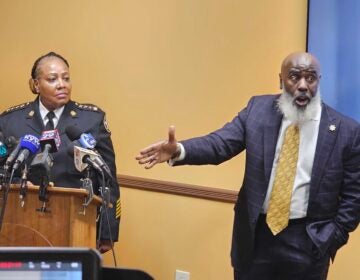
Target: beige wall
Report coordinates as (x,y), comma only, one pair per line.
(150,64)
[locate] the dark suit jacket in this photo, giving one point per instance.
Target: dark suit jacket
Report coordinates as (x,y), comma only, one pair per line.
(334,201)
(25,119)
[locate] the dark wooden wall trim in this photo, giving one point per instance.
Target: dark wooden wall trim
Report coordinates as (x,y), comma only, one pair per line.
(216,194)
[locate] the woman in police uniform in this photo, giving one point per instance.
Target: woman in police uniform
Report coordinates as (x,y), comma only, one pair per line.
(50,81)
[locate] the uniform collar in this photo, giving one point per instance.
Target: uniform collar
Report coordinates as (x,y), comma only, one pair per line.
(43,111)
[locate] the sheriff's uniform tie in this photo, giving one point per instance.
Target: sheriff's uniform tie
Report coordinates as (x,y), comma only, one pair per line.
(277,216)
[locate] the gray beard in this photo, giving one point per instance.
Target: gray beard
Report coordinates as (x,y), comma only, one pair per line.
(295,114)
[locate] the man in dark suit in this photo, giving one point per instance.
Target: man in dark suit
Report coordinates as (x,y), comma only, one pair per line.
(323,205)
(50,80)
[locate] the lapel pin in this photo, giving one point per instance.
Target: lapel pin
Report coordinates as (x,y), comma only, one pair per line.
(31,113)
(332,127)
(73,113)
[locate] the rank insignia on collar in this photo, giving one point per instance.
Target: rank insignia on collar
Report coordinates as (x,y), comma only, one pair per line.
(31,113)
(73,113)
(332,127)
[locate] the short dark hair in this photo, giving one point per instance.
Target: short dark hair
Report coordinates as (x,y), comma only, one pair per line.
(35,70)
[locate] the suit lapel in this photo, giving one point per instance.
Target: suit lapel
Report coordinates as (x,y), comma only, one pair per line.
(271,134)
(328,132)
(67,117)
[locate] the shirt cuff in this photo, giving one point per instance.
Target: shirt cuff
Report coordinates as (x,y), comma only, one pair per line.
(181,155)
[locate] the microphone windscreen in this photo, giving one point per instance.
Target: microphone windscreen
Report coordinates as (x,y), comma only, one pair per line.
(52,138)
(11,142)
(30,142)
(87,141)
(73,132)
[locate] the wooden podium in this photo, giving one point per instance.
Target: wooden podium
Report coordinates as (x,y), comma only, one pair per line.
(66,224)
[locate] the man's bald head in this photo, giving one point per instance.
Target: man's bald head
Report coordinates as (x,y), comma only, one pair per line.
(301,59)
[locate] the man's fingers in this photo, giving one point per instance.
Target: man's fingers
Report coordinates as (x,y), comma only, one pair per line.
(152,148)
(146,159)
(150,164)
(147,150)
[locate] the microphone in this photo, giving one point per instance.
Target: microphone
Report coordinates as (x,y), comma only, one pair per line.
(29,144)
(83,158)
(6,147)
(6,144)
(87,141)
(13,154)
(11,142)
(3,148)
(50,141)
(41,165)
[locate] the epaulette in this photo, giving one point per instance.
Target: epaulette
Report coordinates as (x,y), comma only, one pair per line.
(16,107)
(88,107)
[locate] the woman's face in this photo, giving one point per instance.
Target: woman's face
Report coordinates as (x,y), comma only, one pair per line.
(53,83)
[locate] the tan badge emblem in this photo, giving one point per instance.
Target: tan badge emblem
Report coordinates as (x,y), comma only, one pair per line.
(106,125)
(73,113)
(31,113)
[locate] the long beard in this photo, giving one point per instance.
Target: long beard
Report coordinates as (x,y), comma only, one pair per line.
(296,114)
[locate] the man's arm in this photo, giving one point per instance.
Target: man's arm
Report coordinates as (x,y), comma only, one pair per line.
(213,148)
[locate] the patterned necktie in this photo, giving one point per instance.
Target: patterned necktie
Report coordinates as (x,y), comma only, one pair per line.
(50,123)
(277,216)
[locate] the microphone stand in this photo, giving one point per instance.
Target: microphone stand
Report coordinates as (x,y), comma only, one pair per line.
(87,185)
(5,188)
(23,186)
(104,190)
(43,194)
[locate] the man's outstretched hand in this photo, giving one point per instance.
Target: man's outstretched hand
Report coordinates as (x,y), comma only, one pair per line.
(160,151)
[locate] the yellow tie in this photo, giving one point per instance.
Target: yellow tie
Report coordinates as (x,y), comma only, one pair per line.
(277,216)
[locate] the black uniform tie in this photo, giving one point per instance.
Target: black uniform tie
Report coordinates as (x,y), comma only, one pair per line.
(50,123)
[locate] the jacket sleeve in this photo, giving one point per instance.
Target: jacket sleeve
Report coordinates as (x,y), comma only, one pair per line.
(348,214)
(110,217)
(220,145)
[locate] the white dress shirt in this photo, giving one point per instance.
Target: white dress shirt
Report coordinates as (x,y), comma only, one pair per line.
(309,131)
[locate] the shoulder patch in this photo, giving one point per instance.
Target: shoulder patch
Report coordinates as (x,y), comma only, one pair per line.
(16,108)
(106,125)
(88,107)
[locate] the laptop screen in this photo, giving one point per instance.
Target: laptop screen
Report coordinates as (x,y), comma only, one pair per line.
(49,264)
(35,270)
